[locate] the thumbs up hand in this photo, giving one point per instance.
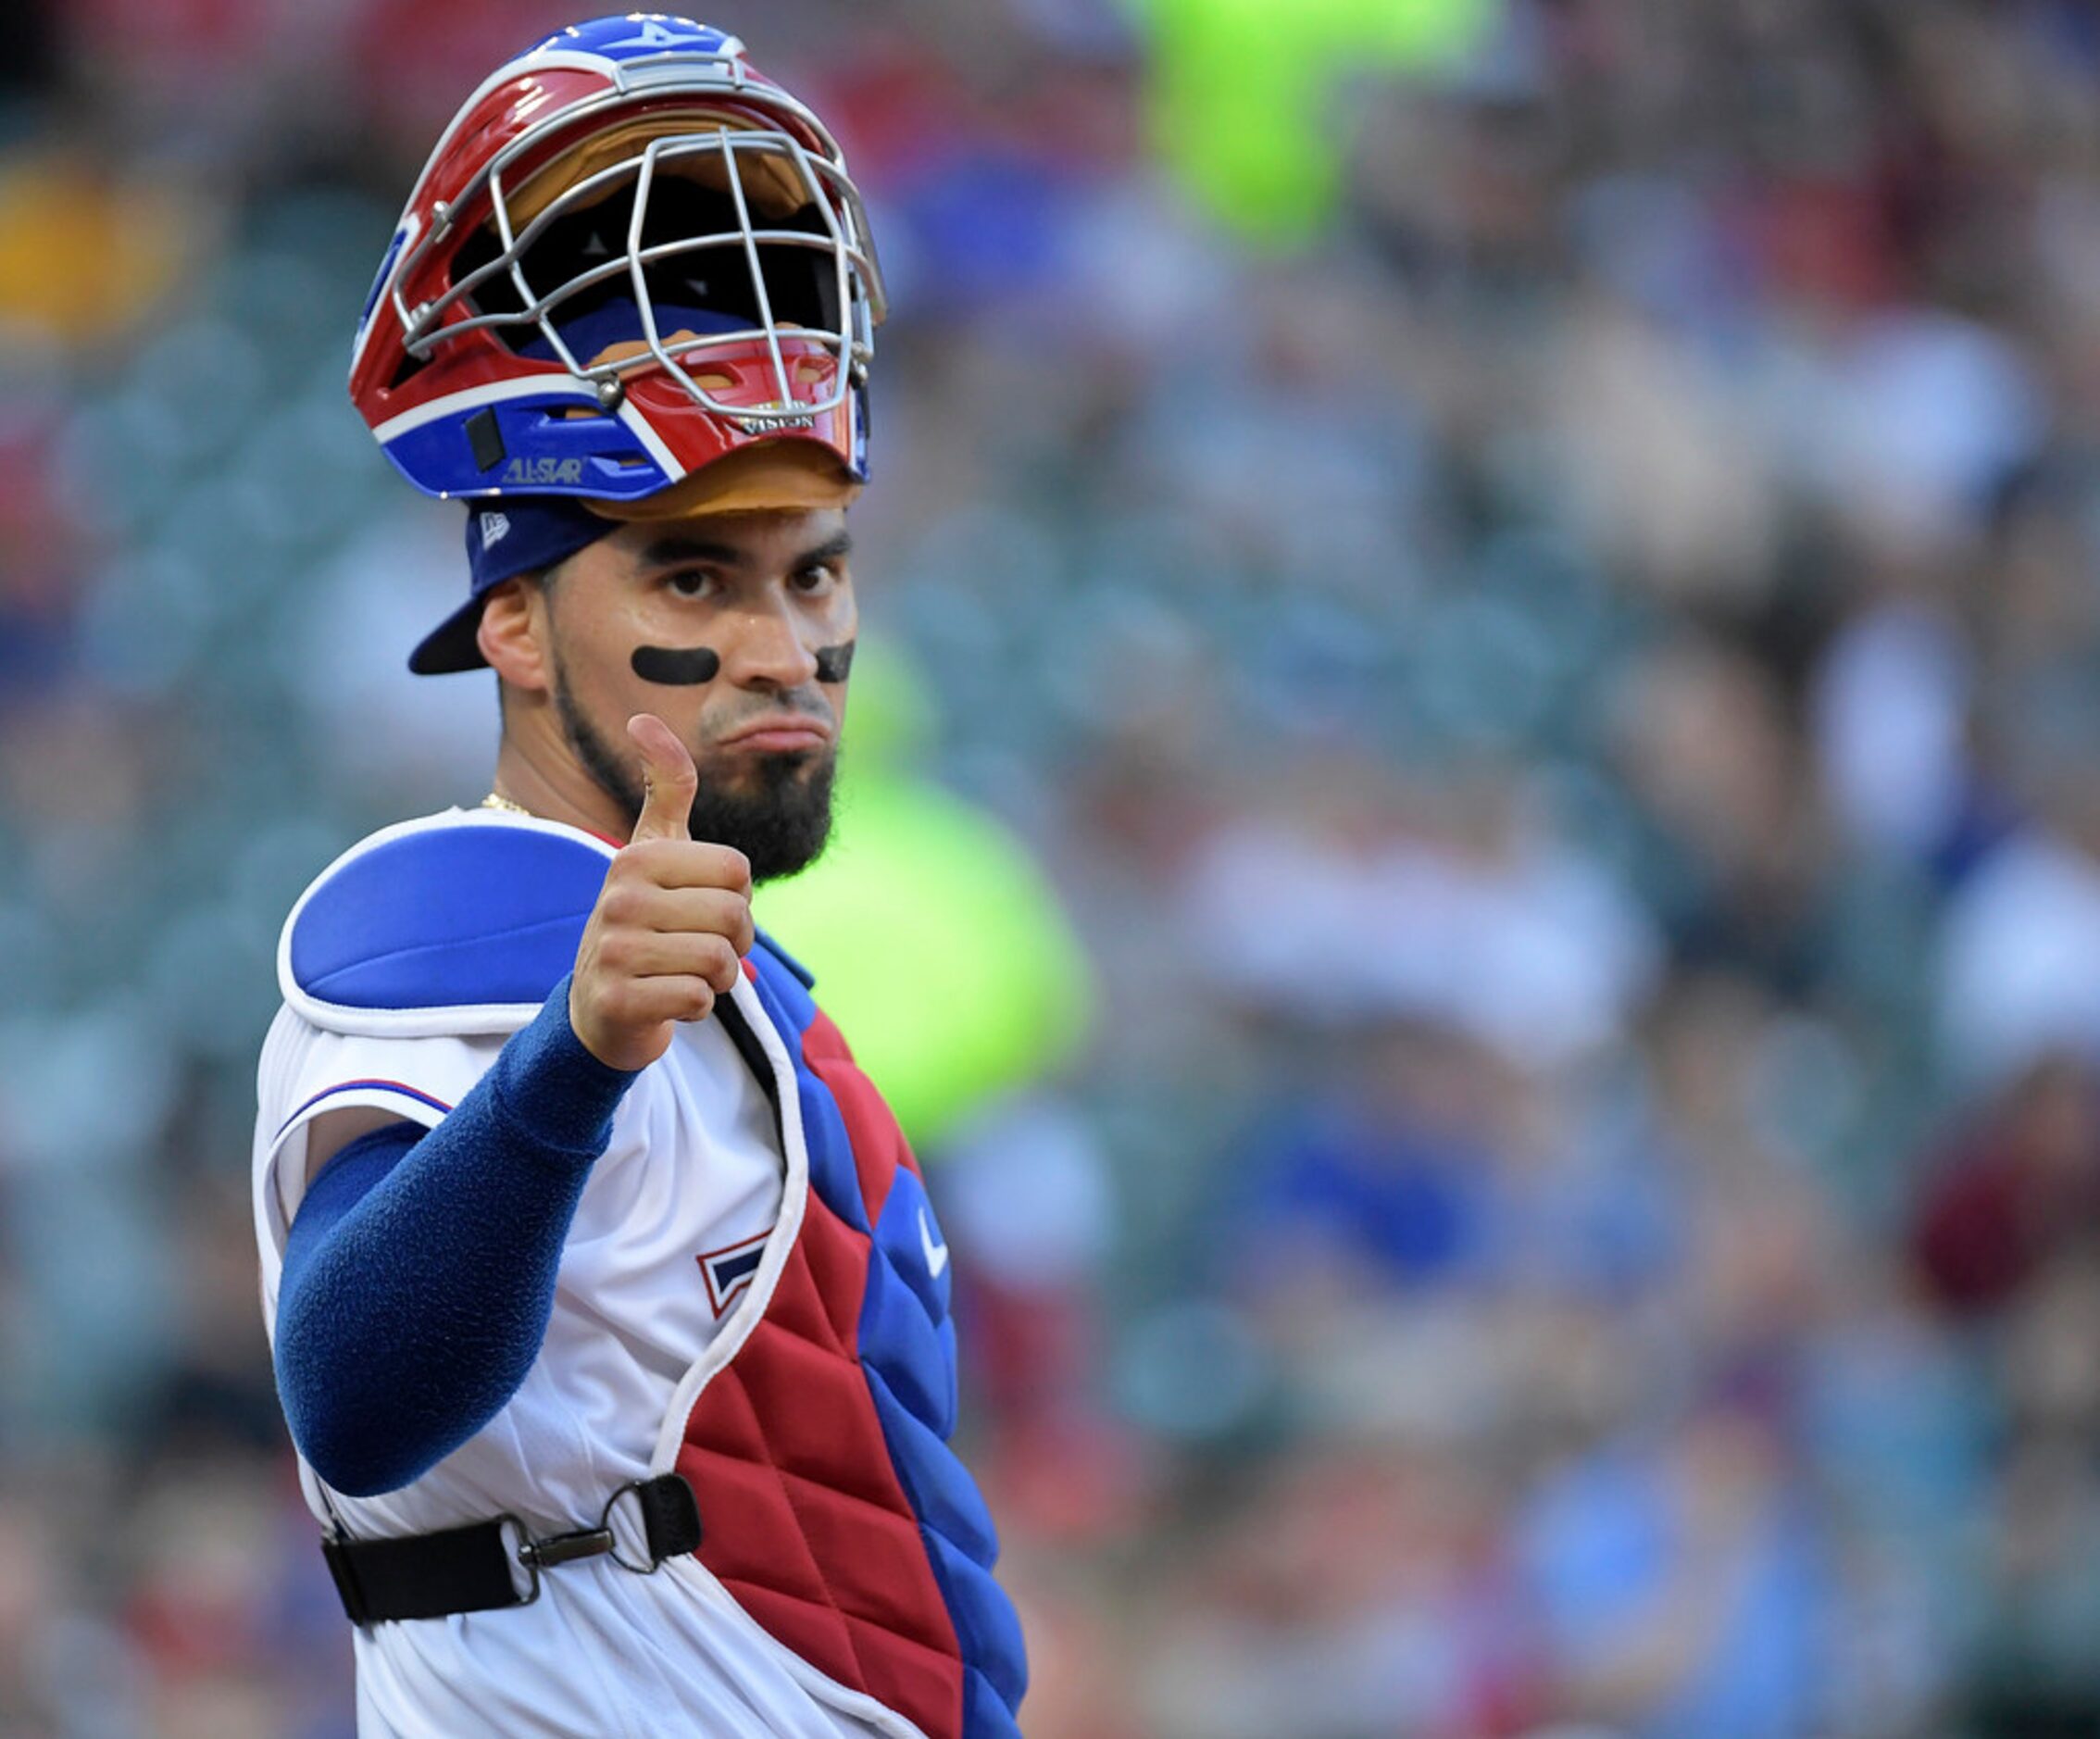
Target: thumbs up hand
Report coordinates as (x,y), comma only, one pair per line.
(673,921)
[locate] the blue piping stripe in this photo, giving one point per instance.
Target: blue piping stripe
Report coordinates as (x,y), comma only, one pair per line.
(359,1086)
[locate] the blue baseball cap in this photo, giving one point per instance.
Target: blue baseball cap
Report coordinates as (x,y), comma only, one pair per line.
(513,535)
(509,536)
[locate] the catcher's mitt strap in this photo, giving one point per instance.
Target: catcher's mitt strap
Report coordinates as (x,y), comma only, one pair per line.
(487,1565)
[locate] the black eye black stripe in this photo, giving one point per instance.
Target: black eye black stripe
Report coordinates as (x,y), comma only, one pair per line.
(677,666)
(685,666)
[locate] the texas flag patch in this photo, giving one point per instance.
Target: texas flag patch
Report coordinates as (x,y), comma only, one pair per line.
(729,1270)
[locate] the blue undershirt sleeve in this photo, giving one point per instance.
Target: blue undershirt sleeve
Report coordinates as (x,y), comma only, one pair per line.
(420,1268)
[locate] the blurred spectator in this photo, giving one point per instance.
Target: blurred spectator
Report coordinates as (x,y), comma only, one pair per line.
(1682,1584)
(2019,960)
(2020,1187)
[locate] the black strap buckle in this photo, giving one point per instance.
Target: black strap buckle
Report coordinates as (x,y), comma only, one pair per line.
(563,1548)
(475,1568)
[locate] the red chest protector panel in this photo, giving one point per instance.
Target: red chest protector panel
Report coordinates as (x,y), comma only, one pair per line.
(834,1512)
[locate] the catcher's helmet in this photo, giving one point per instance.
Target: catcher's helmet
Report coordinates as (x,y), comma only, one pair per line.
(630,253)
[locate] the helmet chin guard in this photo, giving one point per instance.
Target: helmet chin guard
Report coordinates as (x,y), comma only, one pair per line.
(631,255)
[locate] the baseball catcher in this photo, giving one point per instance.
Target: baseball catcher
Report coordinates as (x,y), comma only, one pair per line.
(609,1312)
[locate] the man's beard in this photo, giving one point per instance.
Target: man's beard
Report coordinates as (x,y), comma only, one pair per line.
(781,826)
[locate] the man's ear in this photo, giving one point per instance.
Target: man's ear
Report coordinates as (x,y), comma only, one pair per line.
(514,635)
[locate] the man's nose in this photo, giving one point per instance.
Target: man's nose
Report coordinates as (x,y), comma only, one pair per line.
(765,649)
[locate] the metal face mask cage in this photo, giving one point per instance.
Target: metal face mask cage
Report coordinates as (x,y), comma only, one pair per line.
(727,142)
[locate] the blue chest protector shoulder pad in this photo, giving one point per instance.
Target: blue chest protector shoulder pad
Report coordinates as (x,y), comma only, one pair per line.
(460,923)
(799,972)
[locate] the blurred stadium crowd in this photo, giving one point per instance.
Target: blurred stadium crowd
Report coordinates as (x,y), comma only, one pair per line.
(1562,705)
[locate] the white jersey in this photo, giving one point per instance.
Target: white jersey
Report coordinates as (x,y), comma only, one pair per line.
(659,1260)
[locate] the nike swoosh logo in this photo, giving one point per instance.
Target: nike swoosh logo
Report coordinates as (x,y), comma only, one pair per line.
(936,1254)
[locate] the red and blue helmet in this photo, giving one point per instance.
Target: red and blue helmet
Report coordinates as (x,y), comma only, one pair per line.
(631,255)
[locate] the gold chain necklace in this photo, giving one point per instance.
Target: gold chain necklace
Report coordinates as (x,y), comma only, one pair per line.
(497,800)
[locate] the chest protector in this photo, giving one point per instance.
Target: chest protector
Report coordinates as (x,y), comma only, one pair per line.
(834,1511)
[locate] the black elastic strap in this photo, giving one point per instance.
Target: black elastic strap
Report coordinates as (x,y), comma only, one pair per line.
(478,1568)
(425,1575)
(670,1516)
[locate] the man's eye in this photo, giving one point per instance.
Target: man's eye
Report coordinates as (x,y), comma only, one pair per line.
(688,583)
(814,579)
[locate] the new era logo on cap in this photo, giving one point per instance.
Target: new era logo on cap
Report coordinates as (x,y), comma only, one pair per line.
(494,528)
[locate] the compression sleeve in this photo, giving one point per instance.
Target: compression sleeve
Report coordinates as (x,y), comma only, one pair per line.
(420,1271)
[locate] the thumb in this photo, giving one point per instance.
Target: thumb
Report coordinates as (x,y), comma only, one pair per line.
(670,780)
